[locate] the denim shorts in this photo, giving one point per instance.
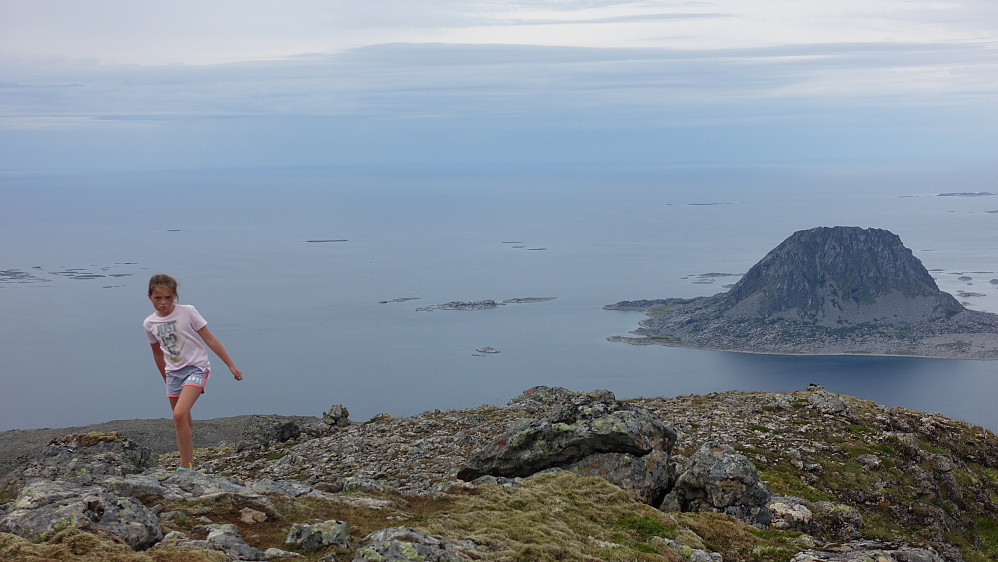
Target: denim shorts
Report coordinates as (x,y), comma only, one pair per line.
(188,376)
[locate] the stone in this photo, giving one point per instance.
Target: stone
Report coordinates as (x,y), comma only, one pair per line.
(870,462)
(142,488)
(828,403)
(272,553)
(227,539)
(404,544)
(44,508)
(208,487)
(319,535)
(251,516)
(719,479)
(336,416)
(541,399)
(691,554)
(825,520)
(835,521)
(590,423)
(789,513)
(868,551)
(646,479)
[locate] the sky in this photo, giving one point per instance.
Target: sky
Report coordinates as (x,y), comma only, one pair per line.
(137,85)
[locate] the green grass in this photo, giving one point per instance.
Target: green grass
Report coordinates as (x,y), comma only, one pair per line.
(646,526)
(987,531)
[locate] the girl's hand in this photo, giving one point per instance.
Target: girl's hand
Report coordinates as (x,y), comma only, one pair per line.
(236,373)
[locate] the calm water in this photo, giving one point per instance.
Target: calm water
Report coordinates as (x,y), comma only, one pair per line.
(304,323)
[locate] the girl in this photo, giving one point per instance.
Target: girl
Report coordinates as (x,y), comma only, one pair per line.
(181,358)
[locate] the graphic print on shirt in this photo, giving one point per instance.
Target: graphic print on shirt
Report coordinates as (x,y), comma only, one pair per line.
(167,335)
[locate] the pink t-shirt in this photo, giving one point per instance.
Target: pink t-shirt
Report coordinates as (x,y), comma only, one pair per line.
(178,337)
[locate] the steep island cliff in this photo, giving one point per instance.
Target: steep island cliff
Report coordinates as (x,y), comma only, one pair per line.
(824,291)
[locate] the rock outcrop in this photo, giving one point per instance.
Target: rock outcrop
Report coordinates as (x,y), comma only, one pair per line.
(827,290)
(588,433)
(828,477)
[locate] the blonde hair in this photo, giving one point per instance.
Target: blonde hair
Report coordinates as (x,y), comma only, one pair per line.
(162,280)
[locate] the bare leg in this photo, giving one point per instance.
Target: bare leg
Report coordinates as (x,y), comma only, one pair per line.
(182,422)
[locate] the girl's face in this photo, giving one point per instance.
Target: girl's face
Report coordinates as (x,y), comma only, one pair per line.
(162,300)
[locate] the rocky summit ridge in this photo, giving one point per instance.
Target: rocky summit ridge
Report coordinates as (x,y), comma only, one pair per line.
(800,476)
(827,290)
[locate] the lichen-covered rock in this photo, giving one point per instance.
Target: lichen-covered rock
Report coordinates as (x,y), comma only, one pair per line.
(541,399)
(319,535)
(719,479)
(404,544)
(44,508)
(789,513)
(867,551)
(208,487)
(272,553)
(835,521)
(83,458)
(646,479)
(826,520)
(226,538)
(692,554)
(140,487)
(590,423)
(828,403)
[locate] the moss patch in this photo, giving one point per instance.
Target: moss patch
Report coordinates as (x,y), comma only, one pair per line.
(87,439)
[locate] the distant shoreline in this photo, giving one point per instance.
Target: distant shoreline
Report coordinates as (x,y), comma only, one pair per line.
(651,341)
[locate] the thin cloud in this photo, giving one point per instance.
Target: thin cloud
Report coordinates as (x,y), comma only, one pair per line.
(401,80)
(230,69)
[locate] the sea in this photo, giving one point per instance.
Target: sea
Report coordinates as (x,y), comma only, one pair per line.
(323,284)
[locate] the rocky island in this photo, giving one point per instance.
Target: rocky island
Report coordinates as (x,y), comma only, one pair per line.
(485,304)
(826,291)
(800,476)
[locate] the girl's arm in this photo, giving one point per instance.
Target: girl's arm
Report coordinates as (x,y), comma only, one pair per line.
(212,342)
(157,355)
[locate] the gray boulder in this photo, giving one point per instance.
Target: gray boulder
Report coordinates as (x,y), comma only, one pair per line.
(828,403)
(719,479)
(404,544)
(588,424)
(539,400)
(789,513)
(209,487)
(828,521)
(646,479)
(319,535)
(227,539)
(44,508)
